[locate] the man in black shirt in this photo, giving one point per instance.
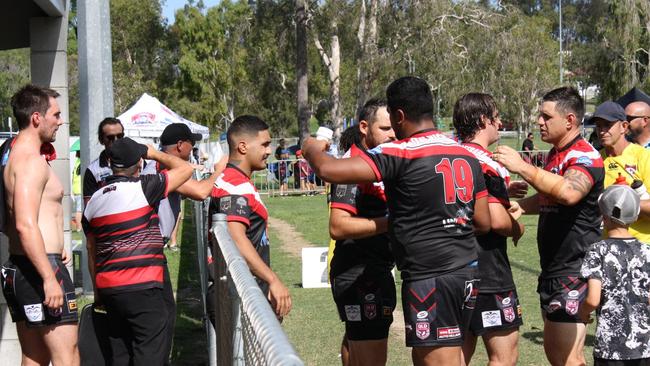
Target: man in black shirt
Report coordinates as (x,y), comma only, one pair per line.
(497,316)
(436,200)
(569,219)
(527,147)
(98,170)
(362,285)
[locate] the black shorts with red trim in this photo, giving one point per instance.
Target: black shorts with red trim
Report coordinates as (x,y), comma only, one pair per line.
(438,310)
(496,311)
(365,303)
(560,298)
(22,287)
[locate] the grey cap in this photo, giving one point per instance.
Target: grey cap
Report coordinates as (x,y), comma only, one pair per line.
(620,203)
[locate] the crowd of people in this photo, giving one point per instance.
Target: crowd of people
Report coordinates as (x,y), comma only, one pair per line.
(403,194)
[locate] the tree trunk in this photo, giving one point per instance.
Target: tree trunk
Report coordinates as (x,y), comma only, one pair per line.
(301,70)
(333,64)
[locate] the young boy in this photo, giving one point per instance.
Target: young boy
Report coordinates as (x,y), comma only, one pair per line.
(618,273)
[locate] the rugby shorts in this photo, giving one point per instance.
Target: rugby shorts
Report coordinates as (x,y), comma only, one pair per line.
(560,298)
(496,311)
(365,303)
(22,287)
(437,310)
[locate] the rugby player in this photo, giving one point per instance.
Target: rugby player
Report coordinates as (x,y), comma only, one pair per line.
(569,219)
(436,200)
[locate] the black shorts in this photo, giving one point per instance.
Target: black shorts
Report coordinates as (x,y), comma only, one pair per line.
(560,298)
(437,310)
(636,362)
(496,311)
(365,303)
(22,287)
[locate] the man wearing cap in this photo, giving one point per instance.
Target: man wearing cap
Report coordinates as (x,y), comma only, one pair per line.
(178,140)
(109,130)
(569,220)
(624,162)
(125,249)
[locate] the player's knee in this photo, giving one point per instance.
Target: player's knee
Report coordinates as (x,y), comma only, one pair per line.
(508,358)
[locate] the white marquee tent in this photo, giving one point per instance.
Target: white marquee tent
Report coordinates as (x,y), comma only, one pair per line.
(148,117)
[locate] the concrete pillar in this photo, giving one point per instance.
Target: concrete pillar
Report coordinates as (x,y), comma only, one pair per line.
(95,85)
(48,40)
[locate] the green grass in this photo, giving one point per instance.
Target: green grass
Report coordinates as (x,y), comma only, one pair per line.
(313,325)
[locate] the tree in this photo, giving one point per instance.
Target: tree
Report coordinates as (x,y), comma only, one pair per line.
(302,85)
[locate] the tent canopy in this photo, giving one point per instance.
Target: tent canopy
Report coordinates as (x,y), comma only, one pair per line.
(148,117)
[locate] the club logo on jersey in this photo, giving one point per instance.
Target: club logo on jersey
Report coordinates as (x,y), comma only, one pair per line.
(506,301)
(491,318)
(34,312)
(449,332)
(422,329)
(572,307)
(422,314)
(224,204)
(573,294)
(353,313)
(369,297)
(370,311)
(631,169)
(508,314)
(340,191)
(241,205)
(553,306)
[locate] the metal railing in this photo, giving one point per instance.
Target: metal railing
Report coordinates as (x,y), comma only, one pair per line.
(248,332)
(288,177)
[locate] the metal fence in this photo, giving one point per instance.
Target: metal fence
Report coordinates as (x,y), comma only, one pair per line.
(288,177)
(247,330)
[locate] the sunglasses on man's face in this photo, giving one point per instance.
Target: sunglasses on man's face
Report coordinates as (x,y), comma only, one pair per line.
(632,118)
(114,137)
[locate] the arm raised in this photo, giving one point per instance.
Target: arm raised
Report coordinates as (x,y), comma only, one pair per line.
(351,170)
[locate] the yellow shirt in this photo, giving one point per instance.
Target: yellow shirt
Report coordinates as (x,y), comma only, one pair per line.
(633,163)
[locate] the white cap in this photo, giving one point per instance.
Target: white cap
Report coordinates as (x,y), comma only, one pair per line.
(620,203)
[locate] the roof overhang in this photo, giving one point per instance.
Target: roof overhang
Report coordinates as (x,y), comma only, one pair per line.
(15,16)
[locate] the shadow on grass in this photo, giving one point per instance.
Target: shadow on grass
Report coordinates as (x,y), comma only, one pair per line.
(190,346)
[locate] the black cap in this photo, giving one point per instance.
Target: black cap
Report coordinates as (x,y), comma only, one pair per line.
(610,112)
(634,95)
(176,132)
(125,153)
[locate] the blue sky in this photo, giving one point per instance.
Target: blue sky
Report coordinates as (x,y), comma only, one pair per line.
(170,7)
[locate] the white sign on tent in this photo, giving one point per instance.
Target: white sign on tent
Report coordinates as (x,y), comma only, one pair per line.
(148,117)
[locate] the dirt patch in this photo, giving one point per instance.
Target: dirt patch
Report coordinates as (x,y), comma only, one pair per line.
(292,240)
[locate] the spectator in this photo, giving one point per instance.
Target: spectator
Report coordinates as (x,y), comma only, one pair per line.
(497,316)
(528,146)
(109,130)
(432,228)
(568,188)
(282,172)
(618,273)
(623,161)
(307,182)
(125,251)
(35,282)
(638,116)
(235,195)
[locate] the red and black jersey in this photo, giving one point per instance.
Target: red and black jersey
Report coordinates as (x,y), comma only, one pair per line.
(493,263)
(122,218)
(565,232)
(235,195)
(431,185)
(367,200)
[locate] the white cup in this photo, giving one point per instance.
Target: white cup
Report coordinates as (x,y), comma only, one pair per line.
(324,134)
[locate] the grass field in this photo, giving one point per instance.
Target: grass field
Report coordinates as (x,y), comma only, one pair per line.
(313,326)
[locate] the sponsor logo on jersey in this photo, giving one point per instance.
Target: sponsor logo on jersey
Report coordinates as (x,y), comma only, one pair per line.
(506,301)
(422,329)
(353,313)
(449,332)
(630,169)
(224,203)
(572,307)
(491,318)
(340,191)
(34,312)
(369,297)
(471,292)
(573,294)
(387,310)
(519,311)
(585,160)
(422,314)
(241,204)
(509,314)
(370,310)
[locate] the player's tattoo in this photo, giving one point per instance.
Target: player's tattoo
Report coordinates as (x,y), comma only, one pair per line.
(578,181)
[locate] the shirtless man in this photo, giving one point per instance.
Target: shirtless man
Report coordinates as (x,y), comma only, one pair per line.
(35,281)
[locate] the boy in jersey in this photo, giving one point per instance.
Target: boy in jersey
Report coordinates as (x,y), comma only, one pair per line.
(362,285)
(624,161)
(35,281)
(109,130)
(235,195)
(436,200)
(497,316)
(569,220)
